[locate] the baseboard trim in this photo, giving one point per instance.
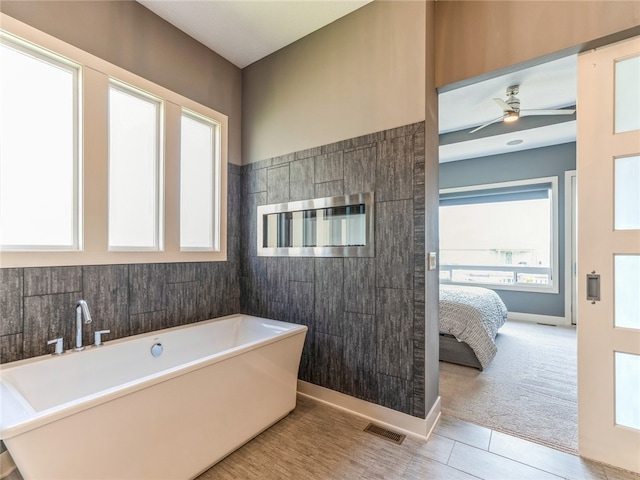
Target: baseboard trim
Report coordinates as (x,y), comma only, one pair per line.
(420,427)
(535,318)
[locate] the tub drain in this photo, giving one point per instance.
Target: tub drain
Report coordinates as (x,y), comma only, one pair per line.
(156,349)
(382,432)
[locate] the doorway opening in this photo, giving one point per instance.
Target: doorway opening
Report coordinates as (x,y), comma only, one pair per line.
(529,389)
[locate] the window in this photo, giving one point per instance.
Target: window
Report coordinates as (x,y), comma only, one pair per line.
(199,164)
(500,235)
(39,188)
(91,162)
(134,169)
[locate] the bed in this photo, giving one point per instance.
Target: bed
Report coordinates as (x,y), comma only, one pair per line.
(469,319)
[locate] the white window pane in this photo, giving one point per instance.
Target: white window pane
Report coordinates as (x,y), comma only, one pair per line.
(627,286)
(38,160)
(133,171)
(476,235)
(272,230)
(627,96)
(197,156)
(627,389)
(627,193)
(501,234)
(297,229)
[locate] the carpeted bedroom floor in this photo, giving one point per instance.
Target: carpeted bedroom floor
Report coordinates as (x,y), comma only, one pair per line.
(529,389)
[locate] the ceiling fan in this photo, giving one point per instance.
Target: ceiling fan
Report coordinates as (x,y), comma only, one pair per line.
(511,109)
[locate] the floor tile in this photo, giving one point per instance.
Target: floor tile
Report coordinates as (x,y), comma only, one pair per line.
(488,465)
(545,458)
(424,468)
(464,432)
(438,448)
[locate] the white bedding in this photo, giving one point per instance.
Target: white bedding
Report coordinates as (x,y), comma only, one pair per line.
(473,315)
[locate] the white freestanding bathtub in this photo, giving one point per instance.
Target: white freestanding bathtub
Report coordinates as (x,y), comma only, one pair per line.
(118,412)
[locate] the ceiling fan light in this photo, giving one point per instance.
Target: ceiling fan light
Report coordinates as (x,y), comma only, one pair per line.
(511,117)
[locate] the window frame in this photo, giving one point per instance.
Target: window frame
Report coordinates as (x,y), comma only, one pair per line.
(554,285)
(215,180)
(158,214)
(95,76)
(58,61)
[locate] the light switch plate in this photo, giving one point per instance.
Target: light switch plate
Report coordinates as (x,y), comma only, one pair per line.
(433,263)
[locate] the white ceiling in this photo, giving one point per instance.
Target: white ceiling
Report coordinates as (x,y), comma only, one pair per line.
(244,31)
(550,85)
(509,142)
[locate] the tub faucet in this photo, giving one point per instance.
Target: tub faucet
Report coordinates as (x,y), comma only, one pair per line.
(82,310)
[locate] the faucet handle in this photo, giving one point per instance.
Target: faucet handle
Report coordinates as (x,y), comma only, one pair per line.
(59,350)
(97,337)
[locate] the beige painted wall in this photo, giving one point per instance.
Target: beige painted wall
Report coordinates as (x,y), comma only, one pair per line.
(479,36)
(361,74)
(128,35)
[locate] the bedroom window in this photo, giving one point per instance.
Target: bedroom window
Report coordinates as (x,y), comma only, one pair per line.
(502,236)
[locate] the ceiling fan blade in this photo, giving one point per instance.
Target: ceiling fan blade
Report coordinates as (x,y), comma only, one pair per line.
(547,112)
(487,124)
(503,105)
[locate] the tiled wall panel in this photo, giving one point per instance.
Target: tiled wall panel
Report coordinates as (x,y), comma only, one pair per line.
(332,188)
(392,393)
(394,168)
(360,285)
(302,269)
(394,244)
(359,169)
(329,295)
(11,280)
(360,373)
(329,167)
(106,290)
(11,347)
(365,315)
(328,360)
(301,307)
(394,320)
(234,202)
(302,179)
(146,287)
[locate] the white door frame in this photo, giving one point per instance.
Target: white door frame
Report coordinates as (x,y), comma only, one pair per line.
(570,238)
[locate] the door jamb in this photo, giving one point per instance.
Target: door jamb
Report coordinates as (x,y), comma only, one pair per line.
(570,242)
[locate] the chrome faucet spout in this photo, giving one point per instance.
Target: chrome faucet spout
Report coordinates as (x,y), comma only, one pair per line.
(82,310)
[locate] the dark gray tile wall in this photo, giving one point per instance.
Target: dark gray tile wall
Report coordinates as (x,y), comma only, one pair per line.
(366,316)
(38,304)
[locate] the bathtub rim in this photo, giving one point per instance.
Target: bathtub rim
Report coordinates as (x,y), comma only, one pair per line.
(70,352)
(35,419)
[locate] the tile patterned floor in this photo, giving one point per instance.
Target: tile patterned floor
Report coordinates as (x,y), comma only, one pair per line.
(317,441)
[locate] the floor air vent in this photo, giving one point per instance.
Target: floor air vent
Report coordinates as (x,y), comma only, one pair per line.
(382,432)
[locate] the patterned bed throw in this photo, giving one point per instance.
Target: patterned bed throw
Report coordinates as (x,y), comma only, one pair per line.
(473,315)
